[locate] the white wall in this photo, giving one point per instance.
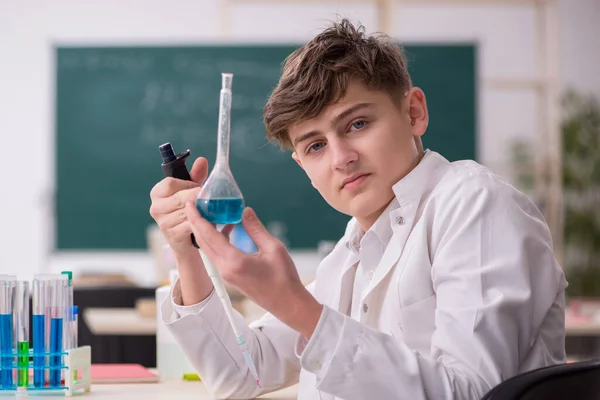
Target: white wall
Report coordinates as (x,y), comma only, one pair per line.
(580,45)
(29,29)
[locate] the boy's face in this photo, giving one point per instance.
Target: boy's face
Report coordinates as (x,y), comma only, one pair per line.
(359,147)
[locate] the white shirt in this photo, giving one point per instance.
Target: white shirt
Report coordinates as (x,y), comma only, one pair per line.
(467,293)
(368,248)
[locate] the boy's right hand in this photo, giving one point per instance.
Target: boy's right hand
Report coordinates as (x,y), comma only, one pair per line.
(168,206)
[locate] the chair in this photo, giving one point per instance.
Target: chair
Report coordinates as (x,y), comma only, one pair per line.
(578,380)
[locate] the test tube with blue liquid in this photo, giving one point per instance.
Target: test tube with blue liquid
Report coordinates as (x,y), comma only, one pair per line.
(220,200)
(58,308)
(21,322)
(7,296)
(41,290)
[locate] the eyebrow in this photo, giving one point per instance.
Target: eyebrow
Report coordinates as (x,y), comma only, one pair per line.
(334,121)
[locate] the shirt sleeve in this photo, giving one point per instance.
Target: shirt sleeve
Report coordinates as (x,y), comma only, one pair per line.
(207,339)
(177,302)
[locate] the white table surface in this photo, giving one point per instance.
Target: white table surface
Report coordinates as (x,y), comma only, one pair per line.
(127,321)
(118,321)
(587,328)
(171,390)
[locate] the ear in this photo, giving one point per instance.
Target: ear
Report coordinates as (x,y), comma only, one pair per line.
(417,111)
(297,159)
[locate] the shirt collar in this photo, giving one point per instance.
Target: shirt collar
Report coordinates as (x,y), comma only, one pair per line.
(421,180)
(382,228)
(417,183)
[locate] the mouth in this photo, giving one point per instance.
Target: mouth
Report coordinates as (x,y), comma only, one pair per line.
(354,181)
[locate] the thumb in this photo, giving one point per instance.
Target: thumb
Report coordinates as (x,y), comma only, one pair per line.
(199,170)
(256,230)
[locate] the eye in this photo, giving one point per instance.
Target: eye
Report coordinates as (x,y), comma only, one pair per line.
(315,147)
(358,125)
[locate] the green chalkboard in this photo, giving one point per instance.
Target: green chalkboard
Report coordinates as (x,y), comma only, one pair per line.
(116,105)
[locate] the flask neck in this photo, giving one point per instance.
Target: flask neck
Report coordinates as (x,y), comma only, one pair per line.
(224,128)
(223,151)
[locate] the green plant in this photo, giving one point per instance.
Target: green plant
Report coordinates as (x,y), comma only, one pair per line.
(581,184)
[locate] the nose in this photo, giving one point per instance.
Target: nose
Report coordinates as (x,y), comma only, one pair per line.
(342,154)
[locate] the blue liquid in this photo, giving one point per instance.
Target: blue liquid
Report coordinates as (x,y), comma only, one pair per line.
(56,338)
(6,348)
(221,211)
(39,347)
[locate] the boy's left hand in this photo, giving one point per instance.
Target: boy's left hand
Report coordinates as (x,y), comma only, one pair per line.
(269,277)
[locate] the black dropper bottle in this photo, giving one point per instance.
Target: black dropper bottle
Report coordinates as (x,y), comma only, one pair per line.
(174,165)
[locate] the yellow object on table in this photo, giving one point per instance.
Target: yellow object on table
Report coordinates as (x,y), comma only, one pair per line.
(191,377)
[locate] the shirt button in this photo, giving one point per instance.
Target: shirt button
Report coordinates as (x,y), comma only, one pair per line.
(400,221)
(370,274)
(365,307)
(316,365)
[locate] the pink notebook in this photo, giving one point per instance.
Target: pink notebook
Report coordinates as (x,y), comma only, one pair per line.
(122,373)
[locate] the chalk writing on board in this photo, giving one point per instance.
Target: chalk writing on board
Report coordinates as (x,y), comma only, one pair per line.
(243,102)
(177,99)
(192,66)
(248,142)
(199,67)
(173,102)
(250,69)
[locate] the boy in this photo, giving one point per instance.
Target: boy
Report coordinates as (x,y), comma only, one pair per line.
(443,285)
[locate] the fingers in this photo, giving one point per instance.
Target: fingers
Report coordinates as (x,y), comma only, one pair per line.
(171,219)
(199,170)
(227,229)
(169,186)
(212,242)
(257,231)
(174,202)
(178,230)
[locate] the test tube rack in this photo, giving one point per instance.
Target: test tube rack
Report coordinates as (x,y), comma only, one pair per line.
(75,362)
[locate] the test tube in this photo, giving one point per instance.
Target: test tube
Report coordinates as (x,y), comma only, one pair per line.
(73,330)
(74,338)
(69,312)
(21,322)
(7,295)
(59,294)
(40,300)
